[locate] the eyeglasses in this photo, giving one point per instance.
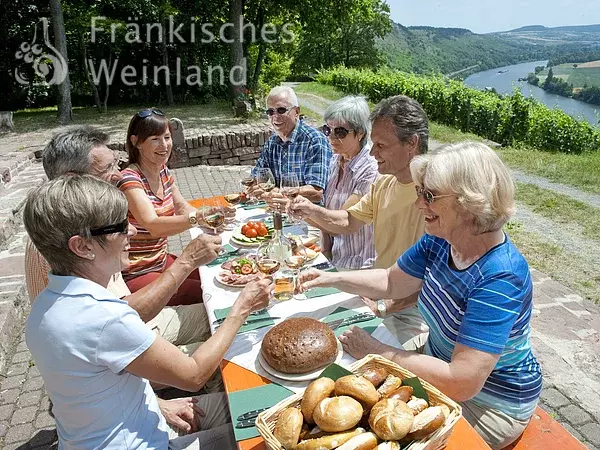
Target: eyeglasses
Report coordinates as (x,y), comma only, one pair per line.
(122,228)
(148,112)
(428,196)
(281,110)
(338,132)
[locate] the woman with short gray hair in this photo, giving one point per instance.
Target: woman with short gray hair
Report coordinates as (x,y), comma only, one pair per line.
(95,354)
(352,170)
(475,293)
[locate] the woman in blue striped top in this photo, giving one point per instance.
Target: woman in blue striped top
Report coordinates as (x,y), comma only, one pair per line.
(475,293)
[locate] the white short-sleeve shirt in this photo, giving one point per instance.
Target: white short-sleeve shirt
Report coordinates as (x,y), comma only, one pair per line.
(82,338)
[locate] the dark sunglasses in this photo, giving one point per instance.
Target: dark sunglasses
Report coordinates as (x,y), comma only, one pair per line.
(122,228)
(338,132)
(281,110)
(148,112)
(428,195)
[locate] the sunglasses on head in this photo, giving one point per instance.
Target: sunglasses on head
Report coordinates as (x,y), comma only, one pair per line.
(281,111)
(110,229)
(148,112)
(338,132)
(428,195)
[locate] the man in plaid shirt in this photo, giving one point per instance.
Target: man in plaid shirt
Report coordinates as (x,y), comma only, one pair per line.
(294,147)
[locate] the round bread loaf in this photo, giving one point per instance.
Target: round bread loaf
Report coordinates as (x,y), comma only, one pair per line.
(299,345)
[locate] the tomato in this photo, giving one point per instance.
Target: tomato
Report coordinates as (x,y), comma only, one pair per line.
(245,229)
(316,248)
(262,231)
(251,233)
(261,224)
(251,225)
(246,269)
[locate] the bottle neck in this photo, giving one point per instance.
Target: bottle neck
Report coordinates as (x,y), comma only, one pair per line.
(277,221)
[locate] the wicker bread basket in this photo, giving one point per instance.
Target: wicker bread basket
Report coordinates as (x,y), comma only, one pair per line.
(265,422)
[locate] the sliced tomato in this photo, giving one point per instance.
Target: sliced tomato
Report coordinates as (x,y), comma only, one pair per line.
(246,269)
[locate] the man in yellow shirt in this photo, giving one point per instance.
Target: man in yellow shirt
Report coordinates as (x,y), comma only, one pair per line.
(400,131)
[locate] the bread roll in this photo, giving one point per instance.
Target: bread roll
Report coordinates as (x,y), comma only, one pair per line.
(376,375)
(390,384)
(364,441)
(315,392)
(426,422)
(338,414)
(391,419)
(288,427)
(358,388)
(329,442)
(389,445)
(403,393)
(417,405)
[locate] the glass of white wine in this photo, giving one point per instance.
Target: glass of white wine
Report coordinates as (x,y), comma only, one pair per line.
(265,179)
(290,188)
(297,260)
(214,217)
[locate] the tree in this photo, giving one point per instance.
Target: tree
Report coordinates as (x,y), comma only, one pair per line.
(236,56)
(548,79)
(60,42)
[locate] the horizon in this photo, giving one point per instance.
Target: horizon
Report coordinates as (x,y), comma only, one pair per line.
(467,14)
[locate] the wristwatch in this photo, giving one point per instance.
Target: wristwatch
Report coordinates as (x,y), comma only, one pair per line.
(381,308)
(192,218)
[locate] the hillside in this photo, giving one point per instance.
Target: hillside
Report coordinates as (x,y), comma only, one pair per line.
(446,50)
(569,38)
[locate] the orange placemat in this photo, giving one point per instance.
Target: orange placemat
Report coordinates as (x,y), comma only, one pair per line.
(218,200)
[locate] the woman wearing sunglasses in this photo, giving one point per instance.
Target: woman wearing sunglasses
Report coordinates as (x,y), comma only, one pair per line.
(94,352)
(156,207)
(475,293)
(352,170)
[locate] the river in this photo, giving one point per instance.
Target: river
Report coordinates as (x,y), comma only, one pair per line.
(503,79)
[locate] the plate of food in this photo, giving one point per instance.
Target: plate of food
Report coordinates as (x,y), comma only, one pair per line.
(251,234)
(238,272)
(299,349)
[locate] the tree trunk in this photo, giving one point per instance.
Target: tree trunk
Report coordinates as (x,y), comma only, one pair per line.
(106,92)
(262,50)
(165,61)
(60,43)
(88,76)
(236,49)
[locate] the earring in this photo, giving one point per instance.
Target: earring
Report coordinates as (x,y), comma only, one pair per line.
(91,256)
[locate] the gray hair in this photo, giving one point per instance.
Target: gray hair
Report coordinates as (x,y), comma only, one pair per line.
(354,111)
(67,206)
(284,91)
(476,175)
(408,117)
(69,150)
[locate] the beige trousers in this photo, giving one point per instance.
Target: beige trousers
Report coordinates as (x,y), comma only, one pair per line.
(216,432)
(407,325)
(495,427)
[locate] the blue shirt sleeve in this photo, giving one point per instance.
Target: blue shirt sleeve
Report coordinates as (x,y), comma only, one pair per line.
(263,159)
(414,260)
(492,308)
(317,164)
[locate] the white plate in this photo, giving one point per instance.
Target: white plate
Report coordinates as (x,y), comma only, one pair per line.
(219,281)
(298,376)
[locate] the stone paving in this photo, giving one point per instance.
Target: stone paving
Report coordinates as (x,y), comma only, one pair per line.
(565,336)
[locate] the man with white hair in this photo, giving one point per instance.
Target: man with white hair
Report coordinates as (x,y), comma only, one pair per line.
(294,147)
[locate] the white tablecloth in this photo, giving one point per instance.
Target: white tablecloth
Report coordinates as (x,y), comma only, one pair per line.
(246,346)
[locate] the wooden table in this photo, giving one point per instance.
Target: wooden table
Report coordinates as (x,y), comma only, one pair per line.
(237,378)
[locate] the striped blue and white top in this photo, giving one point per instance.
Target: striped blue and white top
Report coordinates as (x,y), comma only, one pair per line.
(486,307)
(356,250)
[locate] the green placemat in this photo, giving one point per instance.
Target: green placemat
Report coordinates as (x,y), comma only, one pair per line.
(341,313)
(221,313)
(241,402)
(254,206)
(224,257)
(320,292)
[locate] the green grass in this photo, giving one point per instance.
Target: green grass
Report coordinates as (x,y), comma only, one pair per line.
(444,133)
(577,76)
(322,90)
(117,118)
(562,266)
(561,209)
(581,171)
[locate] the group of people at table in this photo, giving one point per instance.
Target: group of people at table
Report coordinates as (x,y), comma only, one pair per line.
(417,235)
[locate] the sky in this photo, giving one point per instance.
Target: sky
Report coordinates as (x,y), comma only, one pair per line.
(484,16)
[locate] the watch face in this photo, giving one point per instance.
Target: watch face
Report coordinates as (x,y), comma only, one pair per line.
(381,306)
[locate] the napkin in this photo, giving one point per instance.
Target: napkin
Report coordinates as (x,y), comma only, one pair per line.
(224,257)
(334,372)
(320,292)
(220,313)
(251,399)
(341,313)
(248,207)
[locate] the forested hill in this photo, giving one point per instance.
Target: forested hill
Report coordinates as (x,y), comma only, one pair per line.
(446,50)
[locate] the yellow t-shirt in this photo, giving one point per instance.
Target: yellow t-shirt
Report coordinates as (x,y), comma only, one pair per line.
(397,222)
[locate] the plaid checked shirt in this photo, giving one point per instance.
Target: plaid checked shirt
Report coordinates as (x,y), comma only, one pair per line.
(307,153)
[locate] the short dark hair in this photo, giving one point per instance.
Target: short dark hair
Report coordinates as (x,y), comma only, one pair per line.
(69,150)
(143,128)
(407,115)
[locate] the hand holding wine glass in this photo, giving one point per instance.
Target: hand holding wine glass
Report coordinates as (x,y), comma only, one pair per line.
(213,217)
(290,188)
(265,182)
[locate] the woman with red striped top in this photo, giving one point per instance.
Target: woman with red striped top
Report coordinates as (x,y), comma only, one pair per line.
(156,207)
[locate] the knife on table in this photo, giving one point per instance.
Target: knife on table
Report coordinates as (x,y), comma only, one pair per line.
(251,414)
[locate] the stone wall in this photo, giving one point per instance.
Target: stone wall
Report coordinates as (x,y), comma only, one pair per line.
(235,145)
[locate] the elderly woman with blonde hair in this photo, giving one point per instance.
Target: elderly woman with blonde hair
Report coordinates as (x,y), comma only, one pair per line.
(475,293)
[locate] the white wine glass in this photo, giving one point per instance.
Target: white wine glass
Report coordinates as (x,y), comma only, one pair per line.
(297,260)
(213,217)
(265,179)
(290,188)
